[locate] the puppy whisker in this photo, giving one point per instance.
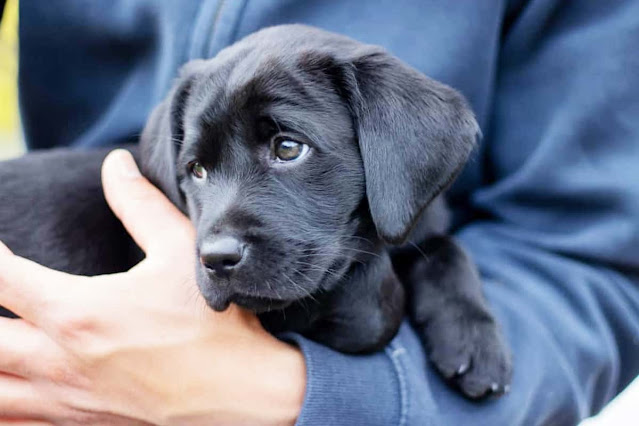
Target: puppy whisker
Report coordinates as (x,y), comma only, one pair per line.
(419,250)
(318,268)
(299,287)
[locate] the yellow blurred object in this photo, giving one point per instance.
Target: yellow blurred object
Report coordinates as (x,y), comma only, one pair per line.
(10,141)
(9,27)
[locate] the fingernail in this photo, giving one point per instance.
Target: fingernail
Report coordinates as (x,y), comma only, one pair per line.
(128,168)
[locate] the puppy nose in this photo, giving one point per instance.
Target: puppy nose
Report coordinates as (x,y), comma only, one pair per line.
(221,255)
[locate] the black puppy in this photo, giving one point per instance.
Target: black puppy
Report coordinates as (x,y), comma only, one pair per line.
(300,156)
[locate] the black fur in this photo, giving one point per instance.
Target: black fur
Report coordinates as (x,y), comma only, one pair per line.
(385,142)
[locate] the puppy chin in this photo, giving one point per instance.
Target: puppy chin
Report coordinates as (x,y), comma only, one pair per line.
(220,301)
(216,296)
(218,304)
(219,293)
(258,304)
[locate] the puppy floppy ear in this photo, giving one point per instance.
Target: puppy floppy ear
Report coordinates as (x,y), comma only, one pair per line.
(415,135)
(163,135)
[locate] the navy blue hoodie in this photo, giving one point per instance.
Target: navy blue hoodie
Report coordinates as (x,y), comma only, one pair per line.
(548,206)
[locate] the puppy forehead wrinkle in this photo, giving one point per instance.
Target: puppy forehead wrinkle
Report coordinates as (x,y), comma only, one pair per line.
(310,108)
(269,81)
(304,123)
(245,70)
(269,64)
(211,97)
(191,128)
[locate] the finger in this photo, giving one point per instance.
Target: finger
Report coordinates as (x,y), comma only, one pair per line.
(25,350)
(4,249)
(29,289)
(146,213)
(19,400)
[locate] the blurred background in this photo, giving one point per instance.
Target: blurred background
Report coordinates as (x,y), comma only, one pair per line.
(624,410)
(10,138)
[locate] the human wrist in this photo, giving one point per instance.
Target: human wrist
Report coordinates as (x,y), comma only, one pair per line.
(281,387)
(260,380)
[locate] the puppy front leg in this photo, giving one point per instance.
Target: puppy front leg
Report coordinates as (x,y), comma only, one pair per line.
(364,313)
(448,309)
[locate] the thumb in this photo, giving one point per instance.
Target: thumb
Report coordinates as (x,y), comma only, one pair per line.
(151,219)
(4,250)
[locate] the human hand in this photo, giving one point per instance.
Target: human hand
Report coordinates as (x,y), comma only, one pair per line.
(137,347)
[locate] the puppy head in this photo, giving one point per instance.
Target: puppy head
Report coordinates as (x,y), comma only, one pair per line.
(297,152)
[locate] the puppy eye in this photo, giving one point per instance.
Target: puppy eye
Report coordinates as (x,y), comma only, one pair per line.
(197,170)
(287,150)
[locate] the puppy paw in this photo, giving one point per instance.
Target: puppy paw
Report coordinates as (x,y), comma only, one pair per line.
(470,354)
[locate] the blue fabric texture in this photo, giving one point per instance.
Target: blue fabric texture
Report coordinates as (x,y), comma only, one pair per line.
(548,206)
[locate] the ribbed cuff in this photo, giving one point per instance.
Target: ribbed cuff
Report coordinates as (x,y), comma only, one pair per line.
(349,389)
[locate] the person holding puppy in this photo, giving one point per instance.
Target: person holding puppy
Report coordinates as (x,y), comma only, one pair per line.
(545,209)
